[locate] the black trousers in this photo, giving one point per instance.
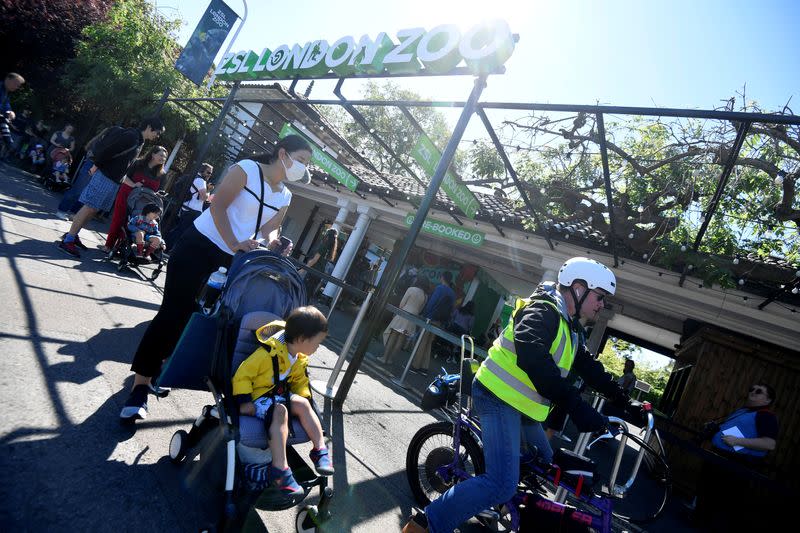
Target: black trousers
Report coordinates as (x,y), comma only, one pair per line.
(185,223)
(190,263)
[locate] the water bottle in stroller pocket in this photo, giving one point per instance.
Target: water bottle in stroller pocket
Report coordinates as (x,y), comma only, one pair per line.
(208,299)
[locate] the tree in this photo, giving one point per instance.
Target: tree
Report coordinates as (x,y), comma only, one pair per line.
(664,173)
(393,127)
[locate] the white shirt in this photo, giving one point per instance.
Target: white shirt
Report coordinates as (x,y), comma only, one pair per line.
(243,210)
(194,202)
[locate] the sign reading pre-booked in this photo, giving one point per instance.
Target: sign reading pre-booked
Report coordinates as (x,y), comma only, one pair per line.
(427,156)
(449,231)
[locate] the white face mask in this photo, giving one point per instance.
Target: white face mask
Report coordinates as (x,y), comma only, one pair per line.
(296,172)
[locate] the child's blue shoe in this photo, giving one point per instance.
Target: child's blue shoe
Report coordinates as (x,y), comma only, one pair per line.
(284,481)
(322,461)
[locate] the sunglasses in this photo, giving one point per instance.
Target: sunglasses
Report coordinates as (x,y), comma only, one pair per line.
(600,295)
(758,390)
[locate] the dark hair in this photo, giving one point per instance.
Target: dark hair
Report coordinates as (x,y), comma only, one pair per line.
(447,276)
(150,208)
(305,323)
(206,166)
(331,238)
(154,123)
(770,391)
(143,163)
(290,143)
(629,361)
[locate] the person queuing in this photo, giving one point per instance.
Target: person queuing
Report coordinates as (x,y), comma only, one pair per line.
(250,203)
(70,203)
(516,385)
(438,311)
(113,155)
(192,207)
(11,83)
(147,171)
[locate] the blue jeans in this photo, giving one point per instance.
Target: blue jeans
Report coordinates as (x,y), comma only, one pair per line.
(69,202)
(502,428)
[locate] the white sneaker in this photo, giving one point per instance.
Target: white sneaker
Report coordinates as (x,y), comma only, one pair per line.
(62,215)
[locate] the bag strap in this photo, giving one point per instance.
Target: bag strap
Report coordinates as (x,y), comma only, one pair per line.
(260,201)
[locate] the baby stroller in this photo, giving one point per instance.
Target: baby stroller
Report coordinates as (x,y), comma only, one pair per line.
(56,178)
(137,200)
(262,286)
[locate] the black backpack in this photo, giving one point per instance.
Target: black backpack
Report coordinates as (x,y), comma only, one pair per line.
(183,189)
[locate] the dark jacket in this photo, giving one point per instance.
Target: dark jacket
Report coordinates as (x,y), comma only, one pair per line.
(535,328)
(116,151)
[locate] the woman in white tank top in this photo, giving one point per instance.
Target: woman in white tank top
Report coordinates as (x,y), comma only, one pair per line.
(249,204)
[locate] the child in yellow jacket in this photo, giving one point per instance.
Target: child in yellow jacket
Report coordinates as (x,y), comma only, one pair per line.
(285,346)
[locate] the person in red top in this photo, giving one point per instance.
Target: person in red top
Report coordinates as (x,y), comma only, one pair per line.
(147,172)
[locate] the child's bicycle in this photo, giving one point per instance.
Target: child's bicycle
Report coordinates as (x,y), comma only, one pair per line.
(433,466)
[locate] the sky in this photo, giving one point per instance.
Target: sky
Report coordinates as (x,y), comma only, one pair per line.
(684,54)
(636,53)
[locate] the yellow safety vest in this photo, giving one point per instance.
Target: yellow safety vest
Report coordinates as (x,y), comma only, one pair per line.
(500,373)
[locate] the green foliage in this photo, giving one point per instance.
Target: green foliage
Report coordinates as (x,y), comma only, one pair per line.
(485,162)
(613,359)
(393,127)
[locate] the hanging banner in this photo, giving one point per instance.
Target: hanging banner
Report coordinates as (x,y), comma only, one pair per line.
(212,30)
(483,50)
(323,160)
(427,156)
(452,232)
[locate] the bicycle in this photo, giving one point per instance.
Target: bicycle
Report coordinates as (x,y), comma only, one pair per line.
(433,466)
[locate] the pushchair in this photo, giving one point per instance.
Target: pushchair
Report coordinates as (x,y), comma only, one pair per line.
(261,287)
(137,200)
(56,178)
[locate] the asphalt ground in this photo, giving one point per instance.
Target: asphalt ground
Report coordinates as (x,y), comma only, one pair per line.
(68,330)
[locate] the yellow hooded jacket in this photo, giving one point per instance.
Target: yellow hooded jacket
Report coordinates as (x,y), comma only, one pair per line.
(255,375)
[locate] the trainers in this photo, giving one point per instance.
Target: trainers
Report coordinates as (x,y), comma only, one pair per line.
(69,248)
(283,480)
(62,215)
(161,392)
(322,461)
(78,242)
(136,405)
(417,524)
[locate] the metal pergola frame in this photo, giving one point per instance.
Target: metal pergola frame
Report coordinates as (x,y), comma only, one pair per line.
(742,120)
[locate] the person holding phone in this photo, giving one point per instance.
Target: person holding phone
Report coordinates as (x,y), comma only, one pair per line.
(250,204)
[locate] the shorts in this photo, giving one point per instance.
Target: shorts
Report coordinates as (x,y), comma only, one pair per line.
(100,193)
(265,406)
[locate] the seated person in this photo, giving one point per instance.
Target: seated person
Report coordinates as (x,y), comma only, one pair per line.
(36,155)
(61,164)
(284,350)
(145,226)
(628,379)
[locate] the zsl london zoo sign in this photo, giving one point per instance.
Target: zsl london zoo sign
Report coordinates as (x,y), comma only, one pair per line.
(484,48)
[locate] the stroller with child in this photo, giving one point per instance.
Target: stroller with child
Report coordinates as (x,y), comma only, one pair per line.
(123,248)
(261,286)
(57,177)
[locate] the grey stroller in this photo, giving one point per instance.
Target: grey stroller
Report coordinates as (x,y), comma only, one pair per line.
(137,200)
(261,287)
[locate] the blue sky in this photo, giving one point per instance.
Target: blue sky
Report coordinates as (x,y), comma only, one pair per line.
(667,54)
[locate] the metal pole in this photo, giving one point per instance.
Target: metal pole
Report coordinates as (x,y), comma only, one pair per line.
(402,379)
(172,154)
(230,43)
(612,236)
(329,390)
(390,275)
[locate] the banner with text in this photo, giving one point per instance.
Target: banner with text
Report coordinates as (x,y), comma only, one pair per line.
(428,156)
(323,160)
(212,30)
(449,231)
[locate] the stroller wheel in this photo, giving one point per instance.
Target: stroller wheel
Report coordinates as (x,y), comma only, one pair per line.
(178,445)
(307,519)
(155,274)
(121,266)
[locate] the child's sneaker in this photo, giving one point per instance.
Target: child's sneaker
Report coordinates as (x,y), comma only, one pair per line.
(322,461)
(77,241)
(283,480)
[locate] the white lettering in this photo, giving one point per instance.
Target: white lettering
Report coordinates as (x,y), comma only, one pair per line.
(223,63)
(315,55)
(433,38)
(236,62)
(487,46)
(408,38)
(278,58)
(343,48)
(261,64)
(368,47)
(246,60)
(296,56)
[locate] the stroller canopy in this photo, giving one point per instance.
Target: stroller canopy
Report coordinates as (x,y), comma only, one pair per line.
(140,197)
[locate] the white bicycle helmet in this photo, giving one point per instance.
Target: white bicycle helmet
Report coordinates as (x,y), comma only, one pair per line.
(595,274)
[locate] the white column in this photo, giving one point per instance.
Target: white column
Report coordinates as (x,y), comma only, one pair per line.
(345,206)
(473,287)
(173,153)
(365,216)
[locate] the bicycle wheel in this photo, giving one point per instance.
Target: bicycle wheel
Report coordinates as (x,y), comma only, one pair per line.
(432,448)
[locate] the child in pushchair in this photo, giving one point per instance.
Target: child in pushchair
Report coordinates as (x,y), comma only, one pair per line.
(37,158)
(58,179)
(261,288)
(143,203)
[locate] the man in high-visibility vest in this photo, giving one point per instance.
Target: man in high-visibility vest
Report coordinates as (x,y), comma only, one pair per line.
(516,386)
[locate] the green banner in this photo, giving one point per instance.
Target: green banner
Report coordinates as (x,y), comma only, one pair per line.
(323,160)
(428,156)
(449,231)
